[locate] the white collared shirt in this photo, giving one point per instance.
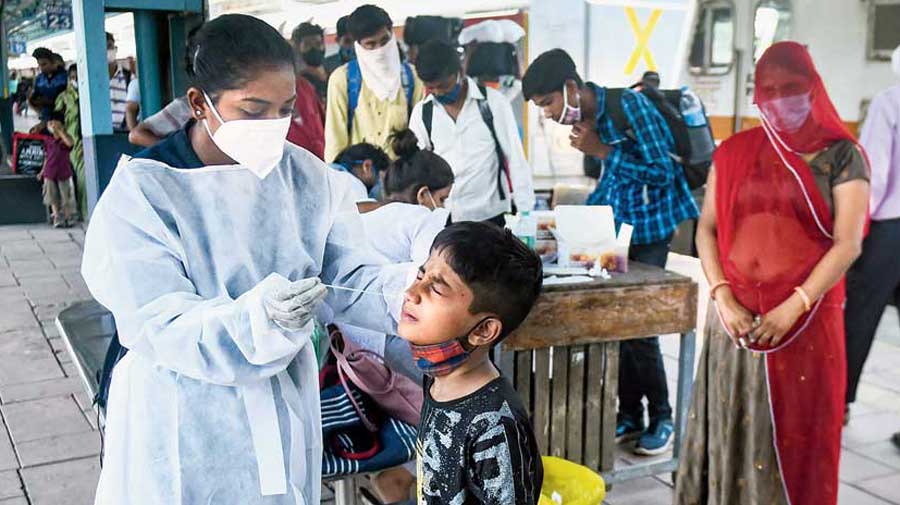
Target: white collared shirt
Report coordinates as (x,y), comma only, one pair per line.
(467,146)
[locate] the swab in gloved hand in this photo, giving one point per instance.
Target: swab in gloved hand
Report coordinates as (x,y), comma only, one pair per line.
(293,307)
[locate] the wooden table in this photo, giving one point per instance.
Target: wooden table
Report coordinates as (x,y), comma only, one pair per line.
(565,361)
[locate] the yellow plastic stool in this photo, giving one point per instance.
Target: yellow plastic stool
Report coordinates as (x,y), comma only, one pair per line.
(566,483)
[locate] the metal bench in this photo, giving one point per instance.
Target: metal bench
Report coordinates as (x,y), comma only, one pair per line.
(87,328)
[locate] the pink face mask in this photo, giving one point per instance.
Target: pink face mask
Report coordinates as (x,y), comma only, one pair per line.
(789,113)
(570,115)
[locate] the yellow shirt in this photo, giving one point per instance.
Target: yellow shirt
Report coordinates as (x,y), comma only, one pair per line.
(373,120)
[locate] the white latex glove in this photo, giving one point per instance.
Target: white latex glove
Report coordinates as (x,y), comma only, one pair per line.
(294,306)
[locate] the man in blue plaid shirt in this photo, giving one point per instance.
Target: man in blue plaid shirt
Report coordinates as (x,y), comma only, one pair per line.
(645,189)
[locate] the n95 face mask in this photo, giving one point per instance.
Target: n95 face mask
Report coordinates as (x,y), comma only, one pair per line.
(255,144)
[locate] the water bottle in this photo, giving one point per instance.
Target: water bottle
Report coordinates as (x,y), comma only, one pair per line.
(691,108)
(526,228)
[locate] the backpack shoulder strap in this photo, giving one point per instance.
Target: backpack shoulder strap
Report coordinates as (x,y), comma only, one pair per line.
(428,118)
(354,86)
(488,117)
(408,82)
(615,111)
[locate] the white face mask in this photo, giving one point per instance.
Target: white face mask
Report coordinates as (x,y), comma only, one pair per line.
(256,144)
(110,55)
(380,69)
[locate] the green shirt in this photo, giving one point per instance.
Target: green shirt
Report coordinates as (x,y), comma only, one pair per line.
(67,102)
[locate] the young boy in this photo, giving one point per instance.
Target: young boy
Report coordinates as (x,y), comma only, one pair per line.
(475,442)
(59,189)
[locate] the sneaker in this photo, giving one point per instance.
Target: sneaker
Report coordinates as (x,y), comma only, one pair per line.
(657,439)
(628,429)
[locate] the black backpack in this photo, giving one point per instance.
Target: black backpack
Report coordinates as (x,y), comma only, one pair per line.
(694,145)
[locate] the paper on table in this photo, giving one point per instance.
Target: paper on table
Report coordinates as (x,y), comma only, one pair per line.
(554,280)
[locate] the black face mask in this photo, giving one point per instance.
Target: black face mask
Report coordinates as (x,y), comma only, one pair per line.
(313,57)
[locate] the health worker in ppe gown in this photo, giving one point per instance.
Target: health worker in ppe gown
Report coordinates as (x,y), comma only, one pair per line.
(209,248)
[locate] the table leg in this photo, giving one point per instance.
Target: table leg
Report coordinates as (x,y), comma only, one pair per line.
(685,385)
(610,395)
(344,492)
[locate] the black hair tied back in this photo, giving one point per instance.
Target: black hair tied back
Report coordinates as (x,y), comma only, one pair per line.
(414,167)
(229,51)
(404,143)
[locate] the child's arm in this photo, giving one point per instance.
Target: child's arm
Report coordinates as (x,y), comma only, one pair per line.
(65,138)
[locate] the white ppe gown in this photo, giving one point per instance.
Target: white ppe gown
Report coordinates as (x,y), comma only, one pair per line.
(214,404)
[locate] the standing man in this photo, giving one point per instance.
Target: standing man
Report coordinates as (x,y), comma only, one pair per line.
(645,189)
(874,280)
(50,82)
(371,96)
(474,129)
(119,79)
(345,51)
(309,45)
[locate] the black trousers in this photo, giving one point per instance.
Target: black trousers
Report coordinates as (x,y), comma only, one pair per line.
(872,282)
(641,370)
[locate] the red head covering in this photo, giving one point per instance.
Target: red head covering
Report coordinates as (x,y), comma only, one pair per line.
(794,105)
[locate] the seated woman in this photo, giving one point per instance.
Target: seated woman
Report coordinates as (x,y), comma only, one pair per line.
(412,213)
(366,163)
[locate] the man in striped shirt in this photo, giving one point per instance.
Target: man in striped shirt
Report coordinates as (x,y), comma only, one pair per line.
(646,189)
(119,78)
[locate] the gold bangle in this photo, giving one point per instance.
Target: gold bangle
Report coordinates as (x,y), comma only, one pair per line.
(805,297)
(712,290)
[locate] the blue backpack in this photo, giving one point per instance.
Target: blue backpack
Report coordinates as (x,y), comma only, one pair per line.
(354,86)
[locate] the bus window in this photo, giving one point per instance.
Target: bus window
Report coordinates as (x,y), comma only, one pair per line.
(771,24)
(712,50)
(883,36)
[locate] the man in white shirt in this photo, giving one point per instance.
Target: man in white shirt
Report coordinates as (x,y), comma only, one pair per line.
(119,79)
(475,130)
(133,105)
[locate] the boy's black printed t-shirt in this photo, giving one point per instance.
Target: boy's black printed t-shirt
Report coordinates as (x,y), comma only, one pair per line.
(478,449)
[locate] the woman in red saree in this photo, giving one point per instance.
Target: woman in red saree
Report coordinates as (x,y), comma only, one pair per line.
(783,220)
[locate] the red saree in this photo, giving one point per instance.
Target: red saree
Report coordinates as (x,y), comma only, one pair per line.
(773,227)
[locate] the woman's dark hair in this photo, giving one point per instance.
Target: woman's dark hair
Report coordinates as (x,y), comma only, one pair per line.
(367,20)
(73,68)
(230,50)
(414,168)
(437,60)
(548,73)
(357,153)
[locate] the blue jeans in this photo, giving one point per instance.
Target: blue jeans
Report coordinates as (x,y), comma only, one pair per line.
(641,371)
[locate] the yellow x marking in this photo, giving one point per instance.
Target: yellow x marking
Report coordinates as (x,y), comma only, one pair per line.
(642,37)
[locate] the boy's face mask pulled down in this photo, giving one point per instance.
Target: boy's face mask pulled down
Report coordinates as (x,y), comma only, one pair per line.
(255,144)
(438,360)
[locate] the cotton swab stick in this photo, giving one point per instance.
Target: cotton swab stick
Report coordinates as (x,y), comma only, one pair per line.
(354,290)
